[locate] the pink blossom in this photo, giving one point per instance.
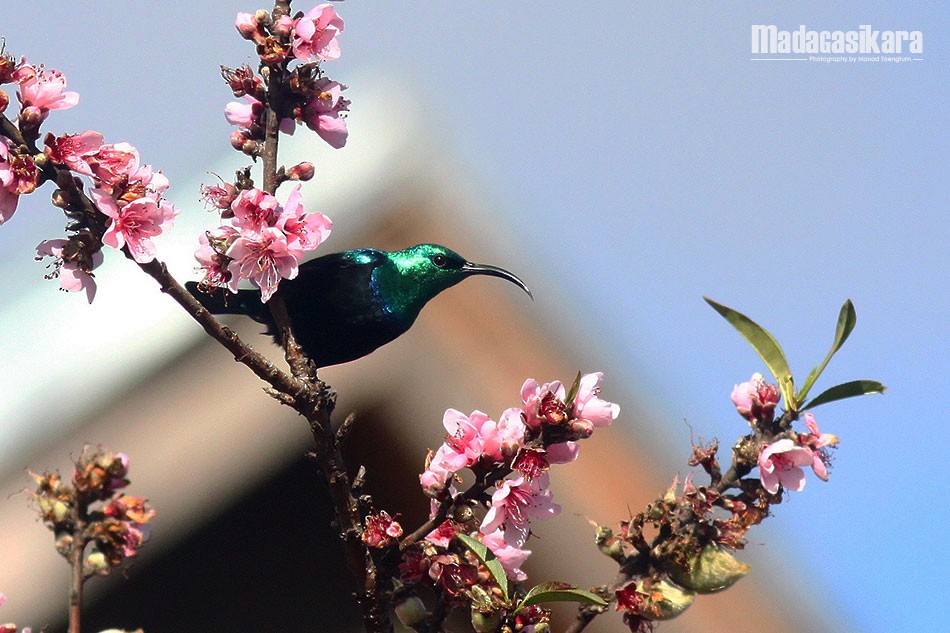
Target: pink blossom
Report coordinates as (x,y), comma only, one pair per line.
(8,189)
(255,210)
(780,464)
(434,478)
(756,399)
(514,502)
(531,396)
(134,224)
(441,467)
(244,115)
(817,442)
(315,34)
(73,149)
(262,257)
(113,162)
(533,462)
(442,535)
(502,439)
(305,231)
(211,255)
(43,89)
(323,113)
(72,277)
(563,453)
(465,433)
(510,556)
(218,196)
(589,406)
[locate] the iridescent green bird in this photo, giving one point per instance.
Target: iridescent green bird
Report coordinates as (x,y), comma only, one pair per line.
(345,305)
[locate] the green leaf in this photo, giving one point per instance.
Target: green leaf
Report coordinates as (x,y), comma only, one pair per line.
(765,345)
(846,390)
(572,392)
(846,320)
(488,559)
(554,591)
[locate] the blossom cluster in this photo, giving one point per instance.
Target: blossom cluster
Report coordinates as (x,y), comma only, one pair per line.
(307,96)
(261,241)
(39,91)
(780,462)
(264,242)
(513,455)
(92,515)
(126,207)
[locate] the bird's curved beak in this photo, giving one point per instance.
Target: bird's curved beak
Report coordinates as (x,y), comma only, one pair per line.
(494,271)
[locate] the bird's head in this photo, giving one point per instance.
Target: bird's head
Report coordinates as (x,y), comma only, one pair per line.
(421,272)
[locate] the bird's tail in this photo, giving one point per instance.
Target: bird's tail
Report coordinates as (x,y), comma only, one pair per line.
(221,301)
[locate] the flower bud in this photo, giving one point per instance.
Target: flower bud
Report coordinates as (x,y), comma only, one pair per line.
(485,622)
(713,569)
(58,512)
(59,199)
(284,26)
(31,117)
(9,627)
(238,139)
(63,543)
(581,429)
(97,563)
(301,171)
(246,25)
(607,543)
(411,611)
(665,600)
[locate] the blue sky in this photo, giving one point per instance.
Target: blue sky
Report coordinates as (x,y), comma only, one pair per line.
(640,156)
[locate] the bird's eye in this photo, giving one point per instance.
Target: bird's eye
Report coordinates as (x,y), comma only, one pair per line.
(440,261)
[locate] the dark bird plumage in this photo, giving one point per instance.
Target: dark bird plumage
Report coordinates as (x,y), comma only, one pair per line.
(345,305)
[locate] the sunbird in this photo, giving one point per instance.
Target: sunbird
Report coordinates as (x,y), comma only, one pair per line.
(344,305)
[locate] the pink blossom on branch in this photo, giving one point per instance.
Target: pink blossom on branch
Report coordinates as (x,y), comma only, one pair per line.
(502,439)
(113,163)
(43,89)
(264,258)
(134,224)
(510,556)
(244,115)
(315,34)
(817,442)
(211,255)
(255,210)
(72,150)
(589,406)
(756,399)
(305,231)
(9,196)
(514,502)
(532,396)
(780,464)
(72,276)
(322,114)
